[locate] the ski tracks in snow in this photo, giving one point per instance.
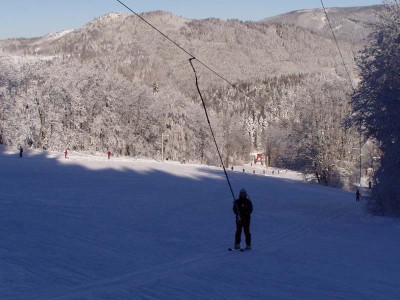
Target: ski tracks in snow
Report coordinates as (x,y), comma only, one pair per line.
(297,233)
(138,279)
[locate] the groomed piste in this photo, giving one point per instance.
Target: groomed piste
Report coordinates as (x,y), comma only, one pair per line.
(92,228)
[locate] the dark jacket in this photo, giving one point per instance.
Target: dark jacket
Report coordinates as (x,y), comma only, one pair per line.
(245,208)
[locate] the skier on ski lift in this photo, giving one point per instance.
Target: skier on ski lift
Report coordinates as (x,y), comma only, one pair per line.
(242,207)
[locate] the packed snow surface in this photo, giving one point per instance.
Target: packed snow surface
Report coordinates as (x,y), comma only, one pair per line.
(92,228)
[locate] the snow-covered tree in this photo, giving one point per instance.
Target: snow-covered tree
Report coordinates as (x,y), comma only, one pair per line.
(376,102)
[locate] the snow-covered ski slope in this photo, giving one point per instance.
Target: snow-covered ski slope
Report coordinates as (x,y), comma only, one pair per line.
(92,228)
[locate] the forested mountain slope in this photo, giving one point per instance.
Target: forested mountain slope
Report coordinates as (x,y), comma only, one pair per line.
(118,84)
(238,50)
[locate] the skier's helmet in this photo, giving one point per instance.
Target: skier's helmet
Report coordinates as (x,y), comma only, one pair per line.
(242,193)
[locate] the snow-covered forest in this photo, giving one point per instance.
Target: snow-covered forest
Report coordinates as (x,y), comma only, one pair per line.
(299,123)
(376,104)
(117,85)
(88,109)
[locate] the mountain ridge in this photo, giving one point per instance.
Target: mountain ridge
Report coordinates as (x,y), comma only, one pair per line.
(272,44)
(240,50)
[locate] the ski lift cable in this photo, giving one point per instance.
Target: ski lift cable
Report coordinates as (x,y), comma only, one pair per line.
(337,45)
(215,141)
(191,55)
(209,125)
(351,82)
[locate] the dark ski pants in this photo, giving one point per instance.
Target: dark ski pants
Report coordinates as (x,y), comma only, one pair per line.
(245,225)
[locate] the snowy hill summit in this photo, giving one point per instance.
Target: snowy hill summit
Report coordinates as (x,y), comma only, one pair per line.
(88,227)
(115,35)
(349,23)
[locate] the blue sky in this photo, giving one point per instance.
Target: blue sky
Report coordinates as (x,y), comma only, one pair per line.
(29,18)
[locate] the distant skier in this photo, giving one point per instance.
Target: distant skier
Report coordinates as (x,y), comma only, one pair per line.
(242,207)
(109,154)
(66,153)
(358,196)
(20,151)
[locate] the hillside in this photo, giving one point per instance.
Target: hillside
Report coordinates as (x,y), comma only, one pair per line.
(91,228)
(351,24)
(117,84)
(287,44)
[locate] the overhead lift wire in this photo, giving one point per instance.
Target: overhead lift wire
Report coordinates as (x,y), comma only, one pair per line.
(212,132)
(337,45)
(351,81)
(190,54)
